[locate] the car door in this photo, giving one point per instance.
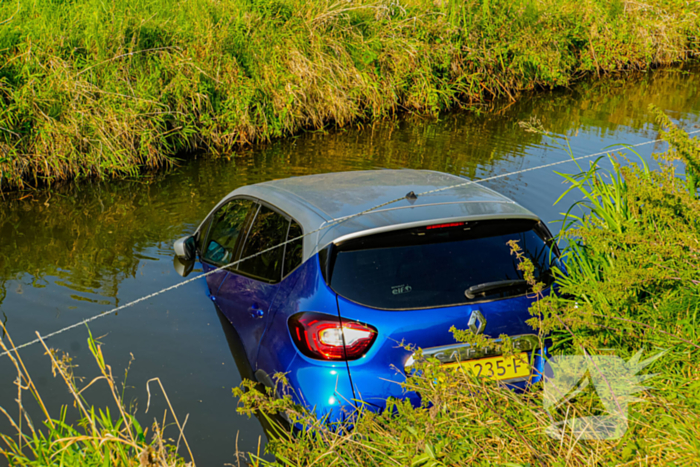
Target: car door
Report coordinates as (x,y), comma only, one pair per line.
(219,241)
(248,290)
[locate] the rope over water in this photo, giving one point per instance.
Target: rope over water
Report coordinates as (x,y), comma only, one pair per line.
(323,227)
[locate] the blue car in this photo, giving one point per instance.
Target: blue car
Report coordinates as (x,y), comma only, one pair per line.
(332,305)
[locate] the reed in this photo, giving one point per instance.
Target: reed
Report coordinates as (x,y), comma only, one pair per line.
(95,90)
(99,437)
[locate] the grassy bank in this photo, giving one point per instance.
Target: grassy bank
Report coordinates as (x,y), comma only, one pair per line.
(632,290)
(93,89)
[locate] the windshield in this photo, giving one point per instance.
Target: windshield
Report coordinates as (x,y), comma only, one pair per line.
(434,266)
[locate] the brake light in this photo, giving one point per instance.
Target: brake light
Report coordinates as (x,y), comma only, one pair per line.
(443,226)
(322,337)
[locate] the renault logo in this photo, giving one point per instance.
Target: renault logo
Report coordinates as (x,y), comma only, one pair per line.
(477,322)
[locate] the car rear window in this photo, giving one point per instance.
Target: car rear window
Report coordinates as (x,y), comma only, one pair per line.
(433,266)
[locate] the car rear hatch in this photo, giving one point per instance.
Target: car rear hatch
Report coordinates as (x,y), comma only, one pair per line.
(413,285)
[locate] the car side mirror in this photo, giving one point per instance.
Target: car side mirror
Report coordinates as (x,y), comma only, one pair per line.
(182,266)
(185,248)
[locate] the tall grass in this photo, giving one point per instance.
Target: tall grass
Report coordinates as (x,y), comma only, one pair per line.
(94,89)
(631,285)
(99,438)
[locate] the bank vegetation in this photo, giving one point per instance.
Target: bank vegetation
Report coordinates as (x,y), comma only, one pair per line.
(94,89)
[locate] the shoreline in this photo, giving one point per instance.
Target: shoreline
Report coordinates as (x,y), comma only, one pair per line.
(101,98)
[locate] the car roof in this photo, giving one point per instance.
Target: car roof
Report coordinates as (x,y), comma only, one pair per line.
(334,205)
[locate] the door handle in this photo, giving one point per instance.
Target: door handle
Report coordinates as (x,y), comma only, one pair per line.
(256,312)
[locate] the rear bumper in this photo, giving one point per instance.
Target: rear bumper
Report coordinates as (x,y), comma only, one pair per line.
(325,389)
(322,387)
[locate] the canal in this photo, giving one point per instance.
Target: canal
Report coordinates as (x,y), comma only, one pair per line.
(73,252)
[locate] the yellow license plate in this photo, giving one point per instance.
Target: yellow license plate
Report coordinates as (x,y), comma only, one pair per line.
(501,367)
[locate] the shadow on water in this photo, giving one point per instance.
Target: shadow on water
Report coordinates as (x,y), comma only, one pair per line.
(75,251)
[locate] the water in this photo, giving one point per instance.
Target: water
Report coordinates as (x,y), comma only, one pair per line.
(71,253)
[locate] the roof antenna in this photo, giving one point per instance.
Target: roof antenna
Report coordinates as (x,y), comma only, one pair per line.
(411,197)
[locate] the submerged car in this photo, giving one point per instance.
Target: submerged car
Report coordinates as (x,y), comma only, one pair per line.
(332,306)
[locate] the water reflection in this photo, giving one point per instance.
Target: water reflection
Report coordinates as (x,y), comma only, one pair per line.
(76,251)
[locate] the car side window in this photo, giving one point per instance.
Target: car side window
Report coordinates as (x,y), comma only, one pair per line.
(293,253)
(269,229)
(203,234)
(227,230)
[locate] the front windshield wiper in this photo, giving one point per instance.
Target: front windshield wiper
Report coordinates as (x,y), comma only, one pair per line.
(472,291)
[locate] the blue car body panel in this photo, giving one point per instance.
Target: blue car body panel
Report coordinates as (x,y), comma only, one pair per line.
(323,386)
(246,302)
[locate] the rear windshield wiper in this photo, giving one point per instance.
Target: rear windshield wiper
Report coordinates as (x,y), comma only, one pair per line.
(472,291)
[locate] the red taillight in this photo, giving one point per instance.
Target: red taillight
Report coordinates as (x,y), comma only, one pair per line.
(322,337)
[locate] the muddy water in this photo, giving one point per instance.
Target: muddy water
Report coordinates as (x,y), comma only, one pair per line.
(72,253)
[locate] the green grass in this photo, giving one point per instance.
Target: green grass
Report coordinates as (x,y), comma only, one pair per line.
(112,89)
